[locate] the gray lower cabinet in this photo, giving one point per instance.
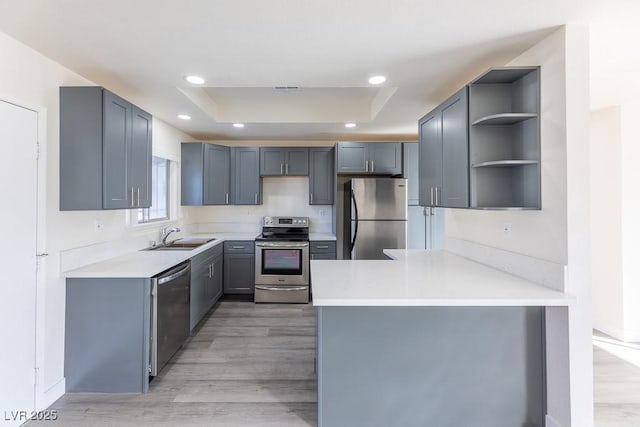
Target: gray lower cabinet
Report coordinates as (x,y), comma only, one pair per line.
(206,283)
(322,249)
(441,366)
(105,151)
(107,335)
(425,228)
(444,148)
(321,175)
(278,161)
(204,174)
(377,158)
(246,185)
(239,267)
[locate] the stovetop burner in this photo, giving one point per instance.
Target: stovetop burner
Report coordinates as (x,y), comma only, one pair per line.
(280,228)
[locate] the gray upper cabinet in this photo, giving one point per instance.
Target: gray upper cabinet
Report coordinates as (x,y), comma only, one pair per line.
(410,171)
(504,138)
(380,158)
(352,157)
(204,174)
(246,185)
(321,175)
(105,151)
(444,166)
(385,158)
(139,157)
(216,174)
(278,161)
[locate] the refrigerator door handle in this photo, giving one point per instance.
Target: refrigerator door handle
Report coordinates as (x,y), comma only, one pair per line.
(355,231)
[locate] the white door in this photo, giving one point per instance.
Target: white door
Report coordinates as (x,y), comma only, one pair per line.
(18,189)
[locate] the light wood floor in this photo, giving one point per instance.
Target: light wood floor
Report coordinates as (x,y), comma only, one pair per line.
(253,365)
(247,365)
(616,383)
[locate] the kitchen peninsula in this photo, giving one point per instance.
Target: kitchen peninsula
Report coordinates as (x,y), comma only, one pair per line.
(432,338)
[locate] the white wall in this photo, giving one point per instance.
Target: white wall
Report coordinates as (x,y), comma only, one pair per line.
(630,154)
(606,216)
(541,234)
(560,231)
(615,228)
(281,196)
(28,77)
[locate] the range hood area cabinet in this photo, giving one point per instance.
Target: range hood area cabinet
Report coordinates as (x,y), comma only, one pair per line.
(219,175)
(444,142)
(504,138)
(369,158)
(105,151)
(280,161)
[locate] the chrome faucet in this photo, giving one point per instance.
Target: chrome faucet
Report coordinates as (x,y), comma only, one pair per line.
(165,233)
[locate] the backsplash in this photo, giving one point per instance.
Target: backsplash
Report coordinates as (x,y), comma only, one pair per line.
(281,196)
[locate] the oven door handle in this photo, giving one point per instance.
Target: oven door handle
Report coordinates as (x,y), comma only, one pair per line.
(282,244)
(282,288)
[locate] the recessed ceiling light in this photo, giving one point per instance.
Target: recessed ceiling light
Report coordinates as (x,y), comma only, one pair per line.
(350,125)
(196,80)
(184,116)
(238,125)
(376,80)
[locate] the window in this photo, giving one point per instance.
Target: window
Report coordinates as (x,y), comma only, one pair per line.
(159,210)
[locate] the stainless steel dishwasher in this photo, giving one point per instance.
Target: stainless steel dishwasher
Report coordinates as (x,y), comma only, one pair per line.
(170,306)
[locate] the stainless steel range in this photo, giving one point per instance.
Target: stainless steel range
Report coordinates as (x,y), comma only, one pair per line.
(282,260)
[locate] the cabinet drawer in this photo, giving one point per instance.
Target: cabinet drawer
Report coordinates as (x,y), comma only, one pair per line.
(323,246)
(239,247)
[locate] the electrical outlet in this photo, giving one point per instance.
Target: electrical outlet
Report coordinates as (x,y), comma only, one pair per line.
(321,212)
(97,225)
(506,229)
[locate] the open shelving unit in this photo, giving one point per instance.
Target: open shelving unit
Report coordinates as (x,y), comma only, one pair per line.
(504,139)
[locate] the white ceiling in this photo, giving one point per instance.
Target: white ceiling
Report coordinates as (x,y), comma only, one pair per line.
(142,49)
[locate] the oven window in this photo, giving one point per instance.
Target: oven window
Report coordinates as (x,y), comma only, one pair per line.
(282,261)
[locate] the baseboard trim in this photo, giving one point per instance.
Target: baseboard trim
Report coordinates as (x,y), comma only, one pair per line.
(549,421)
(52,394)
(612,332)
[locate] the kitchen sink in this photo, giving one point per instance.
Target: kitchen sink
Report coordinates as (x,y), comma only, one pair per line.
(185,244)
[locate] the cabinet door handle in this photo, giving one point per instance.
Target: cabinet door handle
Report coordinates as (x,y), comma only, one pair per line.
(138,196)
(322,247)
(281,168)
(226,198)
(256,198)
(437,196)
(132,196)
(366,165)
(311,197)
(213,270)
(286,168)
(373,168)
(237,247)
(431,189)
(209,272)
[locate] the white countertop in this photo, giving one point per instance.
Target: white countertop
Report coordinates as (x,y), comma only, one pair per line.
(149,263)
(321,236)
(424,278)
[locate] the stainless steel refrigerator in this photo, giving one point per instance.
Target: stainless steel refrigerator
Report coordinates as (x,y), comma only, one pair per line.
(377,218)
